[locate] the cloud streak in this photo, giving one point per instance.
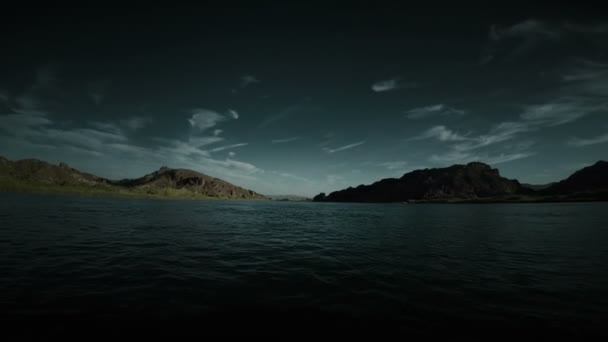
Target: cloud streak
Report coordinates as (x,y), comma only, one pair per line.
(385,85)
(228,147)
(285,140)
(394,165)
(343,148)
(600,139)
(432,110)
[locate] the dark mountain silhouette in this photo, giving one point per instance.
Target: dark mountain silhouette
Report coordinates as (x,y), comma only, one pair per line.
(37,175)
(471,182)
(589,180)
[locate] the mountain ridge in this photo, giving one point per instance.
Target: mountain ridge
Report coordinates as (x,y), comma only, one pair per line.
(473,182)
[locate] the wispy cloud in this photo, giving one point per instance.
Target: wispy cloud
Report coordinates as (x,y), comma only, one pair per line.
(292,177)
(600,139)
(287,112)
(228,147)
(394,165)
(440,133)
(531,33)
(559,112)
(45,76)
(432,110)
(587,78)
(386,85)
(96,91)
(231,154)
(465,157)
(233,113)
(343,148)
(587,28)
(248,80)
(204,118)
(285,140)
(136,123)
(217,132)
(4,97)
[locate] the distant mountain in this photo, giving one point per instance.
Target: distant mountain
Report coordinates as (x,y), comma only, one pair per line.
(470,182)
(36,175)
(589,180)
(536,186)
(290,198)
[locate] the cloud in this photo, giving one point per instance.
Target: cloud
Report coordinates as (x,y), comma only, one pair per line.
(595,28)
(441,133)
(235,164)
(586,78)
(502,132)
(534,117)
(285,140)
(231,154)
(557,113)
(203,141)
(463,148)
(600,139)
(248,80)
(45,76)
(204,118)
(96,91)
(135,123)
(394,165)
(433,110)
(107,127)
(343,148)
(228,147)
(464,157)
(527,28)
(217,132)
(283,114)
(385,85)
(233,113)
(4,97)
(531,33)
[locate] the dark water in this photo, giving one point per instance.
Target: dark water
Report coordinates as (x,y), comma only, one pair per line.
(412,267)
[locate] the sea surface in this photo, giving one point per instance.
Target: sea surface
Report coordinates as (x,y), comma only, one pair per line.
(414,267)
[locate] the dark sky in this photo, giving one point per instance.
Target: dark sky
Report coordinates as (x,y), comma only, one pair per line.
(287,98)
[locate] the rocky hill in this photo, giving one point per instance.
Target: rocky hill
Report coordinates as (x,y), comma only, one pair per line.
(36,175)
(189,180)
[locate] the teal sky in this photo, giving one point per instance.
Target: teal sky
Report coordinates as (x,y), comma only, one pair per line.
(297,99)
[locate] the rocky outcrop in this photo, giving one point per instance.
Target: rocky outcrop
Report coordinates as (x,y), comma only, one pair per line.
(470,182)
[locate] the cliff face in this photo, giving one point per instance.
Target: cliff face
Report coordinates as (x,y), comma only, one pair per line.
(590,179)
(35,172)
(458,182)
